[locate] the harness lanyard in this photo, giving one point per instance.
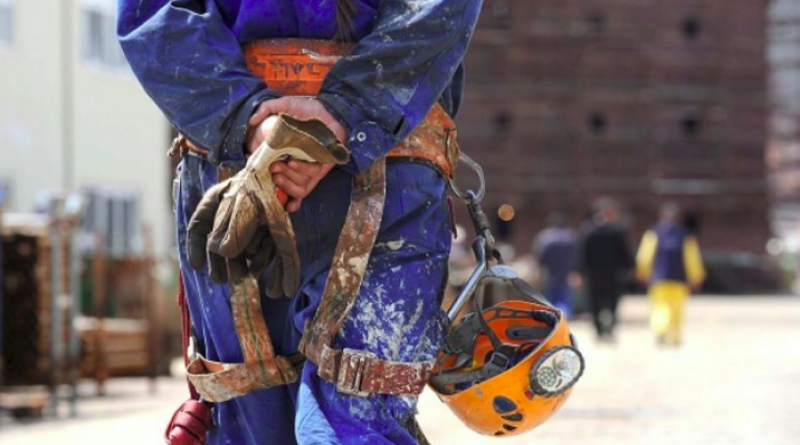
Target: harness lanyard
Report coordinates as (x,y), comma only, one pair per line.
(490,263)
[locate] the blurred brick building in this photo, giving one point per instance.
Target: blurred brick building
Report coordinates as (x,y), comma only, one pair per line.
(783,153)
(643,101)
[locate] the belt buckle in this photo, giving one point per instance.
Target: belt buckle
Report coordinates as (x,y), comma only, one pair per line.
(351,372)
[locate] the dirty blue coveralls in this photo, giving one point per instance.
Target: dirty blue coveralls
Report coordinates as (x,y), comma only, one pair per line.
(187,56)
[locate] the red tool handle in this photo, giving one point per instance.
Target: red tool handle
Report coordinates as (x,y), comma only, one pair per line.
(282,197)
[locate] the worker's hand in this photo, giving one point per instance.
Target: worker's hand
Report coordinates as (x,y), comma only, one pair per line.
(304,108)
(240,225)
(297,179)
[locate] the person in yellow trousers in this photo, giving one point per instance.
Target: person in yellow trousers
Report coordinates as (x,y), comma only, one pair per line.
(669,260)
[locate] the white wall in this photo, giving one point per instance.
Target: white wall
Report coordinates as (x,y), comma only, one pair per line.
(120,137)
(30,118)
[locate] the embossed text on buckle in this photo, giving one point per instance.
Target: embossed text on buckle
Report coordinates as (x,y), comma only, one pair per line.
(351,372)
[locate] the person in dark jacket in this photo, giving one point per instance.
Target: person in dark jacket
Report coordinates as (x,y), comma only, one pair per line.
(605,261)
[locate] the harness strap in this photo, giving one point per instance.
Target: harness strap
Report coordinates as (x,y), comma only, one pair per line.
(357,372)
(262,368)
(186,331)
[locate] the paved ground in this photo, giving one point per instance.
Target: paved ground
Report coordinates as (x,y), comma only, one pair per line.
(735,381)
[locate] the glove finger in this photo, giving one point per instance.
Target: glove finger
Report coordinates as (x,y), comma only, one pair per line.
(245,220)
(202,223)
(222,223)
(217,268)
(237,268)
(274,278)
(261,255)
(258,240)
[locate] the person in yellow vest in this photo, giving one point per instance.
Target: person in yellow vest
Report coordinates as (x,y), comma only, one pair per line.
(669,260)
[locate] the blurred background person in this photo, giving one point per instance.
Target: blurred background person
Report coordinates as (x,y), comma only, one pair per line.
(669,260)
(605,260)
(556,248)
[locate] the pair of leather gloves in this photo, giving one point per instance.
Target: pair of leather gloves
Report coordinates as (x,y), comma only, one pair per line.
(241,228)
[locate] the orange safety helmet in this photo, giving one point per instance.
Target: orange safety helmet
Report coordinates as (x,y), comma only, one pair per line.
(510,369)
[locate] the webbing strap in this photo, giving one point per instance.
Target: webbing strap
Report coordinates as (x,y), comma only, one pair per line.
(350,260)
(186,331)
(217,381)
(359,373)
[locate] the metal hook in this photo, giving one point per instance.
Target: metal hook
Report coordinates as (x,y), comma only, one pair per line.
(466,196)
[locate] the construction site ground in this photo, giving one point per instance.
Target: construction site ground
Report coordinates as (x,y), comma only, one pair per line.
(735,380)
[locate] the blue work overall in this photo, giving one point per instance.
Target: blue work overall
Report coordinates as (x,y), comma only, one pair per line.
(187,56)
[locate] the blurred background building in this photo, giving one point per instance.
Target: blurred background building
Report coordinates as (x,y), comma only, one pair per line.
(80,294)
(783,156)
(641,101)
(73,117)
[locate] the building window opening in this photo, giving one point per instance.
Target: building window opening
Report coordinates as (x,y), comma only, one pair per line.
(100,45)
(597,24)
(691,126)
(691,27)
(502,123)
(692,222)
(6,21)
(501,14)
(597,123)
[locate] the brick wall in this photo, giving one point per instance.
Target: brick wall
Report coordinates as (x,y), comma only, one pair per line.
(647,101)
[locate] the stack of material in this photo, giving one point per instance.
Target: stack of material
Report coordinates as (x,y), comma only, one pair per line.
(124,345)
(26,302)
(114,347)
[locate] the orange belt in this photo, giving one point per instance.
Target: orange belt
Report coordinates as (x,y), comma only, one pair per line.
(297,67)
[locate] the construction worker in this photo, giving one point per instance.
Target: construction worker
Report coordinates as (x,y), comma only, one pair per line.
(605,261)
(669,260)
(188,56)
(556,249)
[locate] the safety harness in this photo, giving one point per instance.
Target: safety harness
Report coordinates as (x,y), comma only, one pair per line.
(298,67)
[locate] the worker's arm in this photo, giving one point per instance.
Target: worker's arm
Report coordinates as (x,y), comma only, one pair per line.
(693,260)
(646,256)
(192,66)
(387,85)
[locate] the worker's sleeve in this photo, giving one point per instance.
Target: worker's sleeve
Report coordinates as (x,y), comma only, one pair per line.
(646,256)
(693,261)
(192,66)
(387,85)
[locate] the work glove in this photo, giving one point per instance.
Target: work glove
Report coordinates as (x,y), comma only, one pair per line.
(241,226)
(205,245)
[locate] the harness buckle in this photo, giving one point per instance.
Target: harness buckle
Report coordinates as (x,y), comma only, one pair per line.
(497,363)
(351,372)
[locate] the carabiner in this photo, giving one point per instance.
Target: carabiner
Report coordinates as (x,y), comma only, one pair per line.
(470,195)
